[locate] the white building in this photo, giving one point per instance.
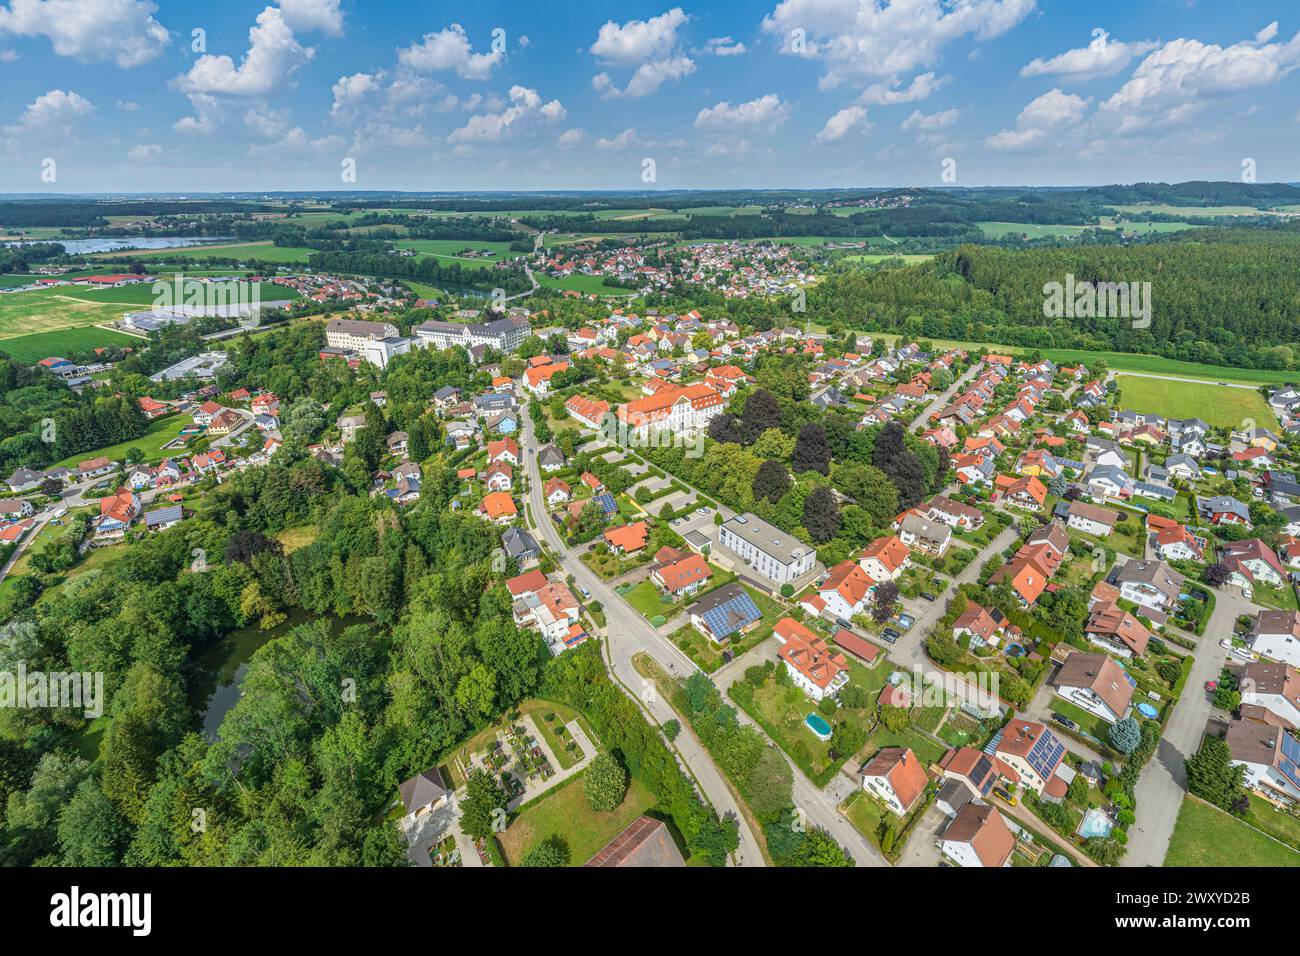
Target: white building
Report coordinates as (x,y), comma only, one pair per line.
(778,556)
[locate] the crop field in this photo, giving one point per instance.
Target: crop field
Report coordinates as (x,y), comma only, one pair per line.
(142,293)
(1162,209)
(242,251)
(1224,406)
(1032,230)
(873,258)
(448,249)
(1110,222)
(33,348)
(24,313)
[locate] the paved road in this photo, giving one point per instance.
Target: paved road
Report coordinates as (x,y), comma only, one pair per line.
(629,634)
(943,400)
(1163,781)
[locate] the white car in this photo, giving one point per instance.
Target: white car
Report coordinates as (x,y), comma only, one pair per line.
(1242,654)
(704,511)
(1226,644)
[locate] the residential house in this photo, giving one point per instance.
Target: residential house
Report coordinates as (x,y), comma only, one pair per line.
(1270,756)
(628,539)
(978,837)
(771,552)
(923,534)
(1274,688)
(1030,750)
(955,514)
(557,492)
(1223,509)
(846,590)
(981,626)
(811,664)
(679,573)
(896,777)
(885,559)
(498,507)
(521,546)
(725,612)
(160,519)
(1152,584)
(1276,636)
(1097,684)
(1091,519)
(1251,562)
(1115,629)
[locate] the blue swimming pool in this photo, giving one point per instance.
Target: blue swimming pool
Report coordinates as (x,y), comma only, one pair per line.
(818,726)
(1096,823)
(1146,710)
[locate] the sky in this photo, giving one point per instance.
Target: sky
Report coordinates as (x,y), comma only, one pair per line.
(179,96)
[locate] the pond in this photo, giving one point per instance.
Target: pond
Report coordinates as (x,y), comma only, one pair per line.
(82,247)
(222,668)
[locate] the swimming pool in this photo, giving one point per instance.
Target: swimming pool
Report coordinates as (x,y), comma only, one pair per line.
(1146,710)
(818,726)
(1095,823)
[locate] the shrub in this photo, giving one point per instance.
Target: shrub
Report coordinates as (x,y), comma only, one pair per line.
(604,783)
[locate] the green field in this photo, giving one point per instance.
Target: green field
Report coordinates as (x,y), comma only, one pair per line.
(240,251)
(581,283)
(142,293)
(46,310)
(1206,836)
(161,431)
(33,348)
(996,230)
(874,258)
(1223,406)
(1163,209)
(564,813)
(448,249)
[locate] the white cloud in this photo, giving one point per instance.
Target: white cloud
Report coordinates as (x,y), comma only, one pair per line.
(647,78)
(639,40)
(765,112)
(1102,57)
(349,91)
(208,114)
(1046,115)
(1171,84)
(855,39)
(935,121)
(622,141)
(650,45)
(273,55)
(92,31)
(449,49)
(266,122)
(843,123)
(724,46)
(297,141)
(8,56)
(307,15)
(888,94)
(572,137)
(144,153)
(526,106)
(52,112)
(128,106)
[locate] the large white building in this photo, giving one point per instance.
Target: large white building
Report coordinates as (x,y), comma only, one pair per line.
(504,335)
(778,556)
(353,335)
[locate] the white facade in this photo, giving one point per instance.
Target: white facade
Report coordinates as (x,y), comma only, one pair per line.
(778,556)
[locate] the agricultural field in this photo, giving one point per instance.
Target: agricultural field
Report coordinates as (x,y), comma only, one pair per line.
(872,258)
(1206,836)
(581,283)
(448,249)
(996,230)
(142,293)
(1162,209)
(1110,222)
(1220,405)
(241,251)
(33,348)
(47,310)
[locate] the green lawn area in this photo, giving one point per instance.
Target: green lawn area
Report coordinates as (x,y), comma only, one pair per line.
(646,600)
(1206,836)
(1278,824)
(242,251)
(564,812)
(1089,723)
(161,431)
(449,249)
(996,230)
(48,310)
(64,342)
(142,293)
(581,283)
(1220,406)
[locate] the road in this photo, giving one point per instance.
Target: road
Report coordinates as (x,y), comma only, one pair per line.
(942,401)
(1163,781)
(629,634)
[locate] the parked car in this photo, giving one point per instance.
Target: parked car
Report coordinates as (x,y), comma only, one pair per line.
(1064,721)
(890,634)
(1241,654)
(904,621)
(927,596)
(1211,686)
(1001,793)
(1226,644)
(704,511)
(840,622)
(585,593)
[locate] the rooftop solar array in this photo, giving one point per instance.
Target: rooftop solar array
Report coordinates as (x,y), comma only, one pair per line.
(606,503)
(732,615)
(1046,754)
(1290,757)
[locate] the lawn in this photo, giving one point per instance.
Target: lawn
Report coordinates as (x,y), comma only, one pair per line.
(1278,824)
(1206,836)
(564,812)
(142,293)
(161,431)
(1216,404)
(64,342)
(1090,724)
(449,248)
(581,283)
(241,251)
(47,310)
(996,230)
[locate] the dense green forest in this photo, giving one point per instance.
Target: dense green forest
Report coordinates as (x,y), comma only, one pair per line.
(1221,297)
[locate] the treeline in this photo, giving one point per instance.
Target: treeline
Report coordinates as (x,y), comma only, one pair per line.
(429,270)
(1217,297)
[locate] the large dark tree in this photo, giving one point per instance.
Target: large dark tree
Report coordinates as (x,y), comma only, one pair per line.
(892,456)
(812,452)
(821,515)
(761,413)
(772,481)
(727,429)
(244,545)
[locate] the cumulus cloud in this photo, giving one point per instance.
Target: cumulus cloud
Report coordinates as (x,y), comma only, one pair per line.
(350,91)
(765,112)
(307,15)
(449,49)
(935,121)
(854,39)
(572,137)
(57,111)
(1173,82)
(724,46)
(842,123)
(649,45)
(144,153)
(1102,57)
(526,107)
(622,141)
(890,93)
(273,55)
(92,31)
(1048,114)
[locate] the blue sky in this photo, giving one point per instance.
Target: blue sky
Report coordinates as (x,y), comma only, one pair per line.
(796,93)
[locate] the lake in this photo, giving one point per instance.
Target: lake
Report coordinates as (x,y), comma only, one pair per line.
(82,247)
(222,668)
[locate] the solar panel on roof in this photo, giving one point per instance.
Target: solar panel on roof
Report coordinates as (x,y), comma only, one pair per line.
(606,503)
(731,615)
